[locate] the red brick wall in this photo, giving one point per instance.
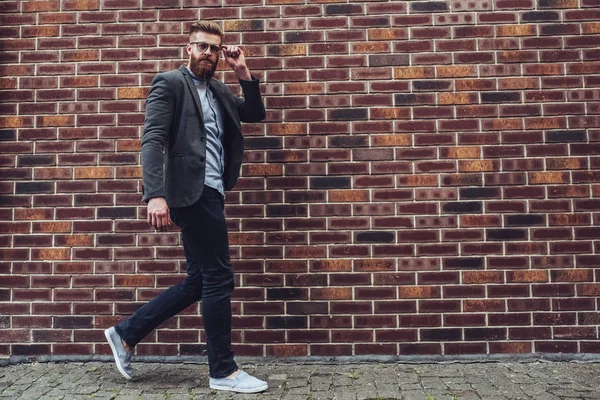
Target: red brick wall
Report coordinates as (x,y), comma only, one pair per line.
(427,182)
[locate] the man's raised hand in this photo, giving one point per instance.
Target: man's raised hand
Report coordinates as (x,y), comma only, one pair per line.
(234,56)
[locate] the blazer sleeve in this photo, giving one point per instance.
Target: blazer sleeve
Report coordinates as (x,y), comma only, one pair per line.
(159,114)
(251,107)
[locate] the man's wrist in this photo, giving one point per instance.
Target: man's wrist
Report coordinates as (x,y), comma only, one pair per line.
(243,73)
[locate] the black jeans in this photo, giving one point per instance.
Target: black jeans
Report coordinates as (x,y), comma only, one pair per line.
(209,278)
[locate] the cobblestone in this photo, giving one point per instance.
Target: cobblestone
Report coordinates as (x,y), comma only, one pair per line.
(308,381)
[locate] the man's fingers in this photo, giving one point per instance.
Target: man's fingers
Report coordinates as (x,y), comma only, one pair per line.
(164,220)
(232,51)
(168,216)
(159,220)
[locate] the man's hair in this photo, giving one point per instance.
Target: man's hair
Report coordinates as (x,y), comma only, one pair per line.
(207,27)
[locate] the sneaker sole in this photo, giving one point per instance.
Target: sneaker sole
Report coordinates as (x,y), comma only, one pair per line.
(231,389)
(116,355)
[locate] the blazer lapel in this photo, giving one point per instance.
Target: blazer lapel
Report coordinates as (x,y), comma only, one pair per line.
(190,84)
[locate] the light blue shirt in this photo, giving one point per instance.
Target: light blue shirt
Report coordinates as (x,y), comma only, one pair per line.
(213,127)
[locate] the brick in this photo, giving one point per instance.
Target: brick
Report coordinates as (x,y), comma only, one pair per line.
(15,122)
(431,85)
(30,349)
(413,72)
(132,93)
(56,121)
(11,6)
(418,292)
(588,289)
(93,173)
(428,6)
(548,177)
(37,6)
(387,34)
(485,334)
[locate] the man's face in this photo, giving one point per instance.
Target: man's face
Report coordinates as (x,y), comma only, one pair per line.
(203,63)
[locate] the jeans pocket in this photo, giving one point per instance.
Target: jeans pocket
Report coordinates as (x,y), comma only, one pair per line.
(218,195)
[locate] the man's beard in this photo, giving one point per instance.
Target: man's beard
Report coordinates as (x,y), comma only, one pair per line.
(203,68)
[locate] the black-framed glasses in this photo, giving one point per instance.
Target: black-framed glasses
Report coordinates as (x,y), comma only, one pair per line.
(202,47)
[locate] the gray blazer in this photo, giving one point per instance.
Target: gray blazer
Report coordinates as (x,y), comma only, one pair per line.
(174,140)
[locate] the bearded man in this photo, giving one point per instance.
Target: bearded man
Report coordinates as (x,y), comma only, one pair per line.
(193,125)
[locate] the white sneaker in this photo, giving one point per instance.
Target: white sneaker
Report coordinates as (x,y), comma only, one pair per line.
(122,356)
(242,383)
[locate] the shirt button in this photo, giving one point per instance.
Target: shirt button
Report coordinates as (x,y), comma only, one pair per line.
(202,158)
(202,139)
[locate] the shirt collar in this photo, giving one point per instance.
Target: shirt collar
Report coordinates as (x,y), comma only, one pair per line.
(195,78)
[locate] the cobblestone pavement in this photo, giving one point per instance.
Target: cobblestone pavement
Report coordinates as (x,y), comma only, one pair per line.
(309,381)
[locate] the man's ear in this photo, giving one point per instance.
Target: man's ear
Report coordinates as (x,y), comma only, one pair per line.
(188,48)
